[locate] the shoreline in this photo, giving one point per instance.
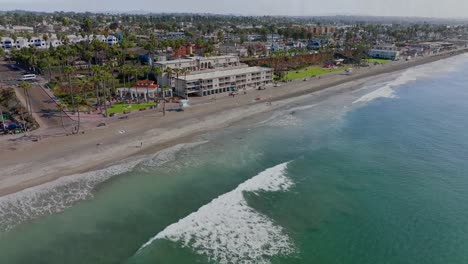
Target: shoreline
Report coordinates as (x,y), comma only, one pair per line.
(32,164)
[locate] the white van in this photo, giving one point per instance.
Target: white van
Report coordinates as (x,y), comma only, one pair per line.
(28,77)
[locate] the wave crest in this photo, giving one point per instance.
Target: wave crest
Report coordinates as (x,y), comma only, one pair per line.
(58,195)
(227,230)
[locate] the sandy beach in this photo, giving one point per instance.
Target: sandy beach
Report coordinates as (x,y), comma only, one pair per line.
(25,163)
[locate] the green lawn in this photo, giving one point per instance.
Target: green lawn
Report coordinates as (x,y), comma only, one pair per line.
(381,61)
(121,107)
(309,72)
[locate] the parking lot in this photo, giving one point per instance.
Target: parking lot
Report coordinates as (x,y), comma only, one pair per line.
(9,74)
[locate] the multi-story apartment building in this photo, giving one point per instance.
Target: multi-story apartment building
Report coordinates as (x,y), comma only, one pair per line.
(223,81)
(320,30)
(9,43)
(38,42)
(389,52)
(193,64)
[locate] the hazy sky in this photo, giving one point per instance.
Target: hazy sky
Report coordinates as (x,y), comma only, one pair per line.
(427,8)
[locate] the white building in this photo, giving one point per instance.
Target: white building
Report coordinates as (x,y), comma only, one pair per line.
(144,90)
(54,42)
(193,65)
(23,29)
(112,40)
(20,43)
(385,52)
(76,39)
(223,81)
(7,43)
(39,43)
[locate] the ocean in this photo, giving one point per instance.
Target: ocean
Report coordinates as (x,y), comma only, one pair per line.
(374,175)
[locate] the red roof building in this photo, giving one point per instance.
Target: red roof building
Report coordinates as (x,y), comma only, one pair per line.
(183,51)
(146,84)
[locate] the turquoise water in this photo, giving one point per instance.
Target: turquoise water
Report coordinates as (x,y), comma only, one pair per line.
(380,180)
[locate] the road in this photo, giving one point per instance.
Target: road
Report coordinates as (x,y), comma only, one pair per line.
(44,108)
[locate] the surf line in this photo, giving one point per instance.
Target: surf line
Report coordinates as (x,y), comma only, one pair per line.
(228,229)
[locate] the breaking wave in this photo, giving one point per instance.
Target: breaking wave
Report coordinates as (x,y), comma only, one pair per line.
(56,196)
(227,230)
(412,74)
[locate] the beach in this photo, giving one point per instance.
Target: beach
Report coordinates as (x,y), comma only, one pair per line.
(367,171)
(26,164)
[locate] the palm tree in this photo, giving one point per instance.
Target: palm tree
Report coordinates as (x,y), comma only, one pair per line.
(145,70)
(69,70)
(157,71)
(124,45)
(47,59)
(170,72)
(25,86)
(84,83)
(32,59)
(96,69)
(151,46)
(127,71)
(105,76)
(177,72)
(136,72)
(185,71)
(61,108)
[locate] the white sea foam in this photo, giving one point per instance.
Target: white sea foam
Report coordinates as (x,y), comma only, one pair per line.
(56,196)
(286,118)
(227,230)
(386,89)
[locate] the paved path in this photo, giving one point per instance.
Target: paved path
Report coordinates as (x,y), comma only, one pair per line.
(44,108)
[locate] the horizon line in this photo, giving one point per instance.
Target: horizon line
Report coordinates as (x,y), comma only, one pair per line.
(143,12)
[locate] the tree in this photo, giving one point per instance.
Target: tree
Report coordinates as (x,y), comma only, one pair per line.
(47,59)
(84,84)
(169,71)
(185,71)
(157,71)
(87,25)
(98,47)
(136,72)
(124,45)
(69,70)
(113,25)
(96,69)
(177,72)
(220,36)
(151,47)
(105,76)
(45,37)
(26,86)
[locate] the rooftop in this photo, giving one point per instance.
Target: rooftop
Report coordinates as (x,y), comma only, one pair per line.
(224,73)
(196,58)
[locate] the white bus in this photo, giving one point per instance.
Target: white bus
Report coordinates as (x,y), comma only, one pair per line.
(28,77)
